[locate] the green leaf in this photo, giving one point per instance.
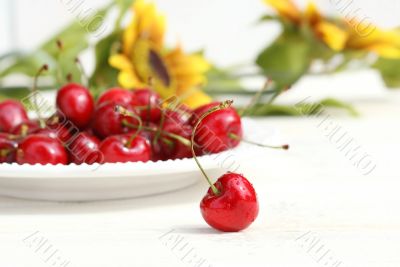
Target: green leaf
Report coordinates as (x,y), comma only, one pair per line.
(390,71)
(221,81)
(287,59)
(335,103)
(300,109)
(104,75)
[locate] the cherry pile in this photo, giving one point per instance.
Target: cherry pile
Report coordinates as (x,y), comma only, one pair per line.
(120,126)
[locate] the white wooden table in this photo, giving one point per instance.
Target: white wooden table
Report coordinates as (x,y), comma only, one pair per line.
(317,209)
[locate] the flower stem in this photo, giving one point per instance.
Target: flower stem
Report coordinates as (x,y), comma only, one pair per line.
(223,105)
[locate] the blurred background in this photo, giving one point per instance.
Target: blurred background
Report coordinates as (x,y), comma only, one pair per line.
(225,29)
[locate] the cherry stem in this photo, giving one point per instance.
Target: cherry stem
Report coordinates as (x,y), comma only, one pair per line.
(181,139)
(255,98)
(84,76)
(59,74)
(222,105)
(236,137)
(123,111)
(5,152)
(42,123)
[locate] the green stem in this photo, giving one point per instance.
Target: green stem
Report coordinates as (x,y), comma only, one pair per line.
(35,93)
(158,133)
(223,105)
(255,99)
(123,111)
(181,139)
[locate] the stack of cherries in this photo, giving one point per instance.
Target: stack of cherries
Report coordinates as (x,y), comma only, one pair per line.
(121,126)
(130,126)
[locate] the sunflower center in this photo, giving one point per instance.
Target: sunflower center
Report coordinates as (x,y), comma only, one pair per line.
(159,68)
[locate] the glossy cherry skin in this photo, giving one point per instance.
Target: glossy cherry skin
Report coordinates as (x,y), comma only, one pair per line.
(116,149)
(12,113)
(212,135)
(8,148)
(76,103)
(107,121)
(41,149)
(141,99)
(85,149)
(235,208)
(116,96)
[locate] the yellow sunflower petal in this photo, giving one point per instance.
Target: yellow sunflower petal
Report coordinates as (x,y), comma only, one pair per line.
(285,8)
(196,99)
(312,14)
(385,50)
(128,79)
(120,62)
(332,35)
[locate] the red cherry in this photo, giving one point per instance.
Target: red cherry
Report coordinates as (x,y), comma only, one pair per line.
(41,149)
(107,121)
(56,131)
(144,98)
(12,113)
(234,208)
(8,147)
(76,103)
(120,148)
(116,96)
(213,131)
(26,128)
(85,149)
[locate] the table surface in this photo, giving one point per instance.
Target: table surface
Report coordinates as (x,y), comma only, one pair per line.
(318,207)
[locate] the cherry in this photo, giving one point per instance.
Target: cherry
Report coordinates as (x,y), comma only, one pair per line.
(12,113)
(214,131)
(230,204)
(234,207)
(56,131)
(41,149)
(85,149)
(107,122)
(124,148)
(8,147)
(148,103)
(76,103)
(116,96)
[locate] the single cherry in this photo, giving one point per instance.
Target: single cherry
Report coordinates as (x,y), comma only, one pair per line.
(85,149)
(12,113)
(124,148)
(8,147)
(148,104)
(76,103)
(214,131)
(234,207)
(116,96)
(230,204)
(41,149)
(107,122)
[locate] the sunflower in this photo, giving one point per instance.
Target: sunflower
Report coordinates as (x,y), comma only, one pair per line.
(385,43)
(342,34)
(331,34)
(144,58)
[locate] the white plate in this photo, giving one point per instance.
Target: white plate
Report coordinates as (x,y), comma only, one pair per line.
(122,180)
